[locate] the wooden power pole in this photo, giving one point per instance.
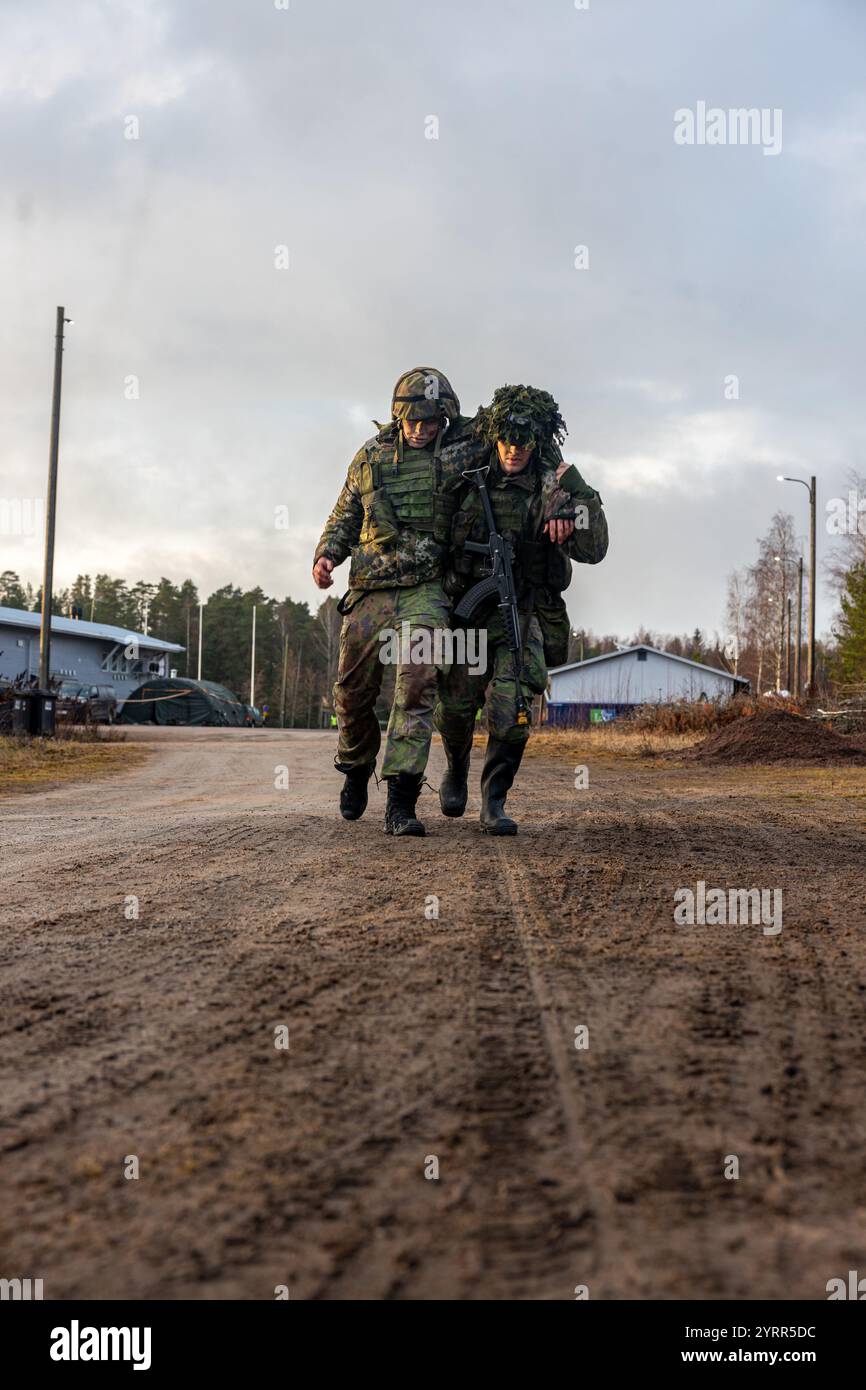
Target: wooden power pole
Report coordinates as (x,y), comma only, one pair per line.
(285,674)
(810,689)
(798,661)
(51,510)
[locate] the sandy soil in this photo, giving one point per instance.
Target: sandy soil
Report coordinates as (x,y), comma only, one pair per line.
(413,1036)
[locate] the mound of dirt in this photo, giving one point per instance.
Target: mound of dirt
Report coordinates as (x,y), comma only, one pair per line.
(774,736)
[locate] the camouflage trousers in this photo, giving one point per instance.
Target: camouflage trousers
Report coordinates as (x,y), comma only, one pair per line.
(368,617)
(462,693)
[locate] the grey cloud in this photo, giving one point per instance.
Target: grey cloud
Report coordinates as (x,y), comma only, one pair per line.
(307,128)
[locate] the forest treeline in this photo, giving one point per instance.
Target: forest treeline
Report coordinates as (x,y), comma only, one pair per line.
(297,650)
(765,599)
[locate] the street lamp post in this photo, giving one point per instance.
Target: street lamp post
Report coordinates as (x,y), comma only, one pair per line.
(799,657)
(812,489)
(780,654)
(54,449)
(253,662)
(788,635)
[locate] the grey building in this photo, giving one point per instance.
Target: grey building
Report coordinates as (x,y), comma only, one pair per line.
(93,653)
(603,687)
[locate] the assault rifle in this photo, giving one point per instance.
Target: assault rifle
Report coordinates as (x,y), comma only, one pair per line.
(500,581)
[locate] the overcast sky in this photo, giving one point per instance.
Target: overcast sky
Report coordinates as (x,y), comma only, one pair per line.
(307,127)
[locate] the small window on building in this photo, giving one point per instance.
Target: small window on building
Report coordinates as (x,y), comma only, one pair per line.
(641,656)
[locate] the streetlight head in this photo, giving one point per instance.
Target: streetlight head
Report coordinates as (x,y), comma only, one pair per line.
(780,477)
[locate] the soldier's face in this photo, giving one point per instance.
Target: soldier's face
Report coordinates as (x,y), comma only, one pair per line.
(513,457)
(419,433)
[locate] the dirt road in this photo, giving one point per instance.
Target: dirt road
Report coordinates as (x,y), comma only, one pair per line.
(415,1038)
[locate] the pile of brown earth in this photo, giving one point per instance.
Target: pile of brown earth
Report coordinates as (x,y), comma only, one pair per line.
(774,736)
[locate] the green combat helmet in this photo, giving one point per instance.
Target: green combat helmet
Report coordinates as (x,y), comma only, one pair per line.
(521,415)
(424,393)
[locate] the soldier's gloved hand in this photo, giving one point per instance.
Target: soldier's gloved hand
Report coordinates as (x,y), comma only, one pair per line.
(570,481)
(558,531)
(322,572)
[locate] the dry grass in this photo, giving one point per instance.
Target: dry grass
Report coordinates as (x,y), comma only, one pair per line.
(28,764)
(608,740)
(654,729)
(706,716)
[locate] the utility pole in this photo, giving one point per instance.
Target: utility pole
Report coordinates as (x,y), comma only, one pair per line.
(285,674)
(813,494)
(780,652)
(788,649)
(253,662)
(54,449)
(300,653)
(200,625)
(799,658)
(812,489)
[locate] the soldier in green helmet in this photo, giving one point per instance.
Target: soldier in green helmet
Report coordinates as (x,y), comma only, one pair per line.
(393,517)
(521,432)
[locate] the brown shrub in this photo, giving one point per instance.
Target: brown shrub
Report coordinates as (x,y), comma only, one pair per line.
(703,716)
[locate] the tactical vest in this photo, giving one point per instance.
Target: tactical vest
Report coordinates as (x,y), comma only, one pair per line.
(403,488)
(539,565)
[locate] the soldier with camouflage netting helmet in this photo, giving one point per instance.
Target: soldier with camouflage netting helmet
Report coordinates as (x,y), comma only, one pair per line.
(532,504)
(393,517)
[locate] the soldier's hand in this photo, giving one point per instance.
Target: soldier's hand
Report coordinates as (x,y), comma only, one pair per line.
(559,531)
(322,572)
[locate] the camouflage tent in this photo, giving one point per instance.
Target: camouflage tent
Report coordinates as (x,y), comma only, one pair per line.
(161,700)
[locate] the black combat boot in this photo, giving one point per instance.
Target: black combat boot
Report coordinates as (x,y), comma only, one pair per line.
(400,818)
(501,762)
(353,795)
(453,789)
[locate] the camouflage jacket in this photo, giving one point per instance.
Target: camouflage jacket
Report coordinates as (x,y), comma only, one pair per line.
(587,546)
(394,513)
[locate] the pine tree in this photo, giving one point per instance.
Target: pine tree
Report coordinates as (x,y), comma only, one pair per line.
(851,628)
(12,594)
(109,602)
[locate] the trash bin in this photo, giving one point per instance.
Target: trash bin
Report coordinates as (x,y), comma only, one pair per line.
(42,713)
(20,715)
(33,713)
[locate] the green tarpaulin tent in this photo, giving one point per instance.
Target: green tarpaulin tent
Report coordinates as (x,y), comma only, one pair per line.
(161,700)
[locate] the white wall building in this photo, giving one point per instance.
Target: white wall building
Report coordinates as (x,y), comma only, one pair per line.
(637,676)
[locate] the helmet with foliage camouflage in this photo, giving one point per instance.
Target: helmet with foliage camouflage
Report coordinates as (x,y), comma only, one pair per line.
(521,415)
(423,394)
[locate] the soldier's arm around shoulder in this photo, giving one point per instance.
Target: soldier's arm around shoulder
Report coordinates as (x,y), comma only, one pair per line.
(343,527)
(589,542)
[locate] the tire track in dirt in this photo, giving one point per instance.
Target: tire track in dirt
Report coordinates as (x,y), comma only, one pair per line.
(605,1242)
(412,1037)
(697,1057)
